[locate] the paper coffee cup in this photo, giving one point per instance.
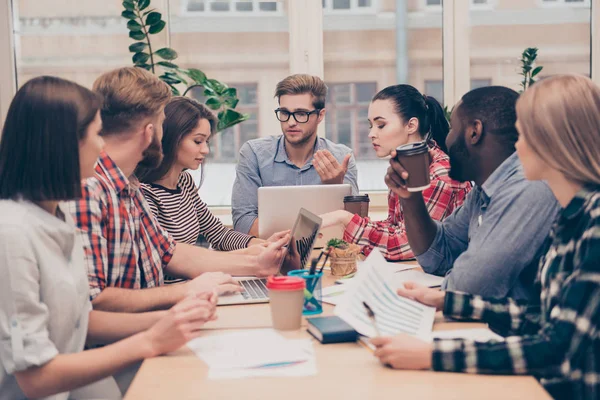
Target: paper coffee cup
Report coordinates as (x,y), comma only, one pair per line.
(414,157)
(357,205)
(286,295)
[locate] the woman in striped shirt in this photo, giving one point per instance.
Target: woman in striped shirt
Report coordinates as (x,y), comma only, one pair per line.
(556,340)
(170,190)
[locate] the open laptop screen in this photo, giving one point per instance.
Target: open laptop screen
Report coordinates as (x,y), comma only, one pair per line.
(301,243)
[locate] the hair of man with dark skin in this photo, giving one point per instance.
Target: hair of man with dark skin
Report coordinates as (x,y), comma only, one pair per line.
(483,133)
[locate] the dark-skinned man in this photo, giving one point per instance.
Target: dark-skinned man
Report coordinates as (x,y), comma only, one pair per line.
(491,245)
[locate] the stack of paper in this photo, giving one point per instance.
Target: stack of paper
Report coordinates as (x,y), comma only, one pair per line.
(249,353)
(393,314)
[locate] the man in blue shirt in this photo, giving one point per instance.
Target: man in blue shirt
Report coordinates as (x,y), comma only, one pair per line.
(298,157)
(491,245)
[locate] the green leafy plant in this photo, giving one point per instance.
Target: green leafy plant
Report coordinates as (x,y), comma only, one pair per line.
(144,21)
(528,69)
(337,244)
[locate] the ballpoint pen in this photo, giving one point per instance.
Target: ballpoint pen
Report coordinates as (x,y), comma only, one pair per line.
(371,315)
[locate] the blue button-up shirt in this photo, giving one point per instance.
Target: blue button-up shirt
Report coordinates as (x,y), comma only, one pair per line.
(264,162)
(491,245)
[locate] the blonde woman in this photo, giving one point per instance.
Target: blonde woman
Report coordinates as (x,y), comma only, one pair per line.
(558,120)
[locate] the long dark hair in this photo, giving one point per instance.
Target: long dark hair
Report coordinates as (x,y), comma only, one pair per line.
(410,103)
(39,151)
(182,115)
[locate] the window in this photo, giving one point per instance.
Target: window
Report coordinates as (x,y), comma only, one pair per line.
(478,83)
(349,6)
(226,145)
(232,7)
(565,3)
(435,89)
(437,4)
(346,118)
(562,39)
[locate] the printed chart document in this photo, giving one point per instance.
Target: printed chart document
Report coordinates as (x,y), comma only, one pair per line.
(393,314)
(254,352)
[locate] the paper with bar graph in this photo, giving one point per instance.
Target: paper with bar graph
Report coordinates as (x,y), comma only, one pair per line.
(393,314)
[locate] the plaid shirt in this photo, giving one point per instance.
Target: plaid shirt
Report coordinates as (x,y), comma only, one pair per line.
(557,341)
(123,242)
(443,196)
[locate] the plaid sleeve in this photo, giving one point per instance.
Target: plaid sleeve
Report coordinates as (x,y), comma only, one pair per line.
(87,213)
(389,236)
(556,351)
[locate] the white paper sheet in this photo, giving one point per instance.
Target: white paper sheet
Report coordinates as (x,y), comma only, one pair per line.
(332,294)
(247,349)
(478,335)
(393,314)
(419,277)
(301,368)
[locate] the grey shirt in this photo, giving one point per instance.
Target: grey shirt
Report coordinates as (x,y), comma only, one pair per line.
(44,293)
(264,162)
(491,245)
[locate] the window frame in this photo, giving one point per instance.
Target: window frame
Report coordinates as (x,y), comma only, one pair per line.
(353,10)
(563,4)
(232,13)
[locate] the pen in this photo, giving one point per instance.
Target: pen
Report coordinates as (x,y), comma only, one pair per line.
(371,315)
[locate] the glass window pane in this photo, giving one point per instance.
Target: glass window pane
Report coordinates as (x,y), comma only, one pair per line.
(219,6)
(365,52)
(563,44)
(365,92)
(364,3)
(195,5)
(435,89)
(344,127)
(341,4)
(477,83)
(243,6)
(268,6)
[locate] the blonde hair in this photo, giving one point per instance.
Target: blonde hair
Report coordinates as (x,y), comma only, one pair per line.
(559,118)
(130,95)
(301,84)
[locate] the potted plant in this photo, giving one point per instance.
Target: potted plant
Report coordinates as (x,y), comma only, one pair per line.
(144,21)
(342,257)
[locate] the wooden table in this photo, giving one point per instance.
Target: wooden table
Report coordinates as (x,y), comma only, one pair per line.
(345,371)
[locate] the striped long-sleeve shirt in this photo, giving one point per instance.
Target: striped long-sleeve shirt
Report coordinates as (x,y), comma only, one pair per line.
(185,216)
(443,196)
(559,341)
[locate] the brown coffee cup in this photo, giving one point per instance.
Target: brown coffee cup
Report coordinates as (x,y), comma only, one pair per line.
(357,205)
(286,294)
(414,157)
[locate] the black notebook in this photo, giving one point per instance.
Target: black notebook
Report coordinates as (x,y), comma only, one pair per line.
(331,330)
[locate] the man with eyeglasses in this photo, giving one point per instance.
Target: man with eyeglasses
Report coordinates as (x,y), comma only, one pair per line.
(298,157)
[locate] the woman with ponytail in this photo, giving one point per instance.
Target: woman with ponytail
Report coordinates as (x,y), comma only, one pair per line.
(399,115)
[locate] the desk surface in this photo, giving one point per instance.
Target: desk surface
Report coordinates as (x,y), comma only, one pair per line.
(345,371)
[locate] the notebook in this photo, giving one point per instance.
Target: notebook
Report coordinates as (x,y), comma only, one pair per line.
(331,329)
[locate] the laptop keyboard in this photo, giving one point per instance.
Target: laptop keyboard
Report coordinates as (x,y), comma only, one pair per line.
(255,289)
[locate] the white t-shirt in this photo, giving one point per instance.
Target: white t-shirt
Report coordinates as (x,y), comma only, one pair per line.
(44,293)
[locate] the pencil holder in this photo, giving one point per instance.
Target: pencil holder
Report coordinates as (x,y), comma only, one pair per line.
(312,293)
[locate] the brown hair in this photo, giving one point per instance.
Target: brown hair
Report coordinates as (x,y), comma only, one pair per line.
(559,117)
(182,115)
(301,84)
(130,95)
(39,151)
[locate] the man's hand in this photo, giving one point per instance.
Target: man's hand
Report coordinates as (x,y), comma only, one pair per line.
(182,323)
(269,258)
(403,352)
(211,281)
(422,294)
(328,168)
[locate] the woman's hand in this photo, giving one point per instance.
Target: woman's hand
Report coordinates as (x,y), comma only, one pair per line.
(337,217)
(422,294)
(403,352)
(183,322)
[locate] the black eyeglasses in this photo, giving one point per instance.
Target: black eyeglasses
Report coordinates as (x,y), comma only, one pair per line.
(301,117)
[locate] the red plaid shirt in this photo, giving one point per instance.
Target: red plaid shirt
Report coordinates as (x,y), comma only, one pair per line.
(443,196)
(123,242)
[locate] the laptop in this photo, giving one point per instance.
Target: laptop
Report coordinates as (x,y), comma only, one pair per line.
(296,256)
(278,206)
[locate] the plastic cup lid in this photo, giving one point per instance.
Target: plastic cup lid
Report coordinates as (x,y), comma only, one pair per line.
(285,283)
